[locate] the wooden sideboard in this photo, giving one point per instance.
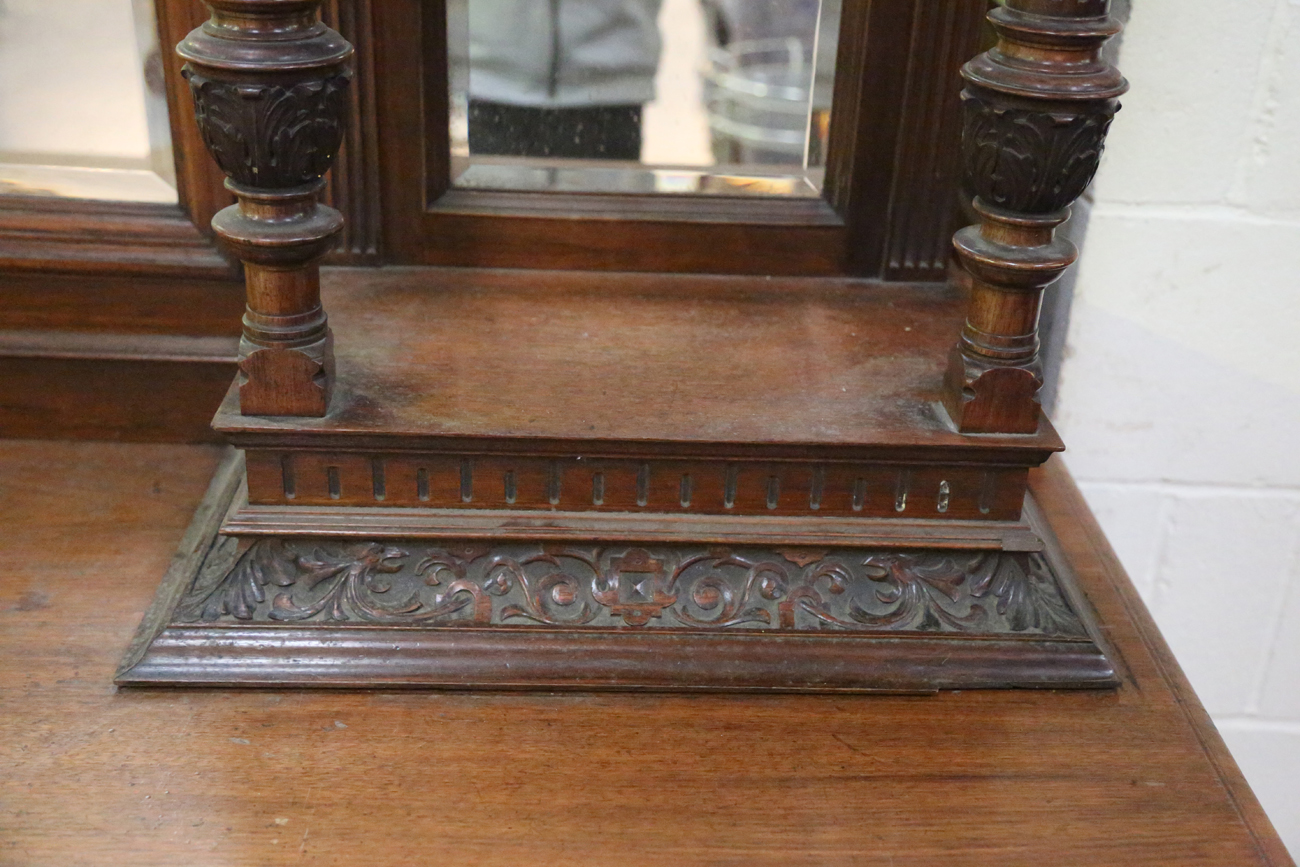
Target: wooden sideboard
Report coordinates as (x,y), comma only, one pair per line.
(97,775)
(428,420)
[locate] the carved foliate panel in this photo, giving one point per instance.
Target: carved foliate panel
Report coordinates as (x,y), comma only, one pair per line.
(1032,160)
(272,136)
(622,587)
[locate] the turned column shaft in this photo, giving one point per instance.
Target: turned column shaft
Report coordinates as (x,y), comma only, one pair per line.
(1037,108)
(268,81)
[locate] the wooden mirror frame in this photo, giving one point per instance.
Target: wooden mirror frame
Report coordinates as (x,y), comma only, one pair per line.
(890,197)
(102,297)
(121,320)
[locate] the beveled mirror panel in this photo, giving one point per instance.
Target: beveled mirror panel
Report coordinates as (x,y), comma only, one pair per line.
(83,112)
(723,97)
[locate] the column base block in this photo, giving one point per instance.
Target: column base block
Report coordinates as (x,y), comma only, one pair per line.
(987,399)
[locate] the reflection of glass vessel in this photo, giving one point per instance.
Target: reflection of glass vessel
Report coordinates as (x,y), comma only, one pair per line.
(752,83)
(758,101)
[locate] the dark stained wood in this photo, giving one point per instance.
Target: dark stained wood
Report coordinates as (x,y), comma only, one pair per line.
(120,304)
(156,265)
(1137,776)
(369,522)
(117,321)
(927,180)
(119,270)
(572,356)
(579,614)
(652,660)
(1133,776)
(199,181)
(1038,106)
(352,186)
(884,169)
(102,385)
(1139,644)
(427,223)
(867,109)
(627,403)
(807,486)
(269,84)
(52,234)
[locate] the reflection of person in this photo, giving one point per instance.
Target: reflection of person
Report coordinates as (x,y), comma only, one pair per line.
(561,78)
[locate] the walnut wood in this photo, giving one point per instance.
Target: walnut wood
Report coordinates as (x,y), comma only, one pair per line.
(573,613)
(108,313)
(120,304)
(667,480)
(892,153)
(1038,106)
(71,268)
(53,234)
(268,83)
(99,385)
(352,186)
(344,522)
(709,365)
(111,398)
(927,179)
(547,411)
(1136,776)
(200,183)
(459,658)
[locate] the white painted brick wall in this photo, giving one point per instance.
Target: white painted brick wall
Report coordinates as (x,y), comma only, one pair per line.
(1180,391)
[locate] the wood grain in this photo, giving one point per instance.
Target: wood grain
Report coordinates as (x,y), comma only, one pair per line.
(96,776)
(270,85)
(928,175)
(390,610)
(98,385)
(1037,108)
(582,356)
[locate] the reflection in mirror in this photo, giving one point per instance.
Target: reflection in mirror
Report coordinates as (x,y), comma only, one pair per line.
(83,113)
(727,97)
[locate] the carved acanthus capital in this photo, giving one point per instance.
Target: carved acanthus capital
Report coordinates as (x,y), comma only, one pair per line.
(271,136)
(268,80)
(1027,158)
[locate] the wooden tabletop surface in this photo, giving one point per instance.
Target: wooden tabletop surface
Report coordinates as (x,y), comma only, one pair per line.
(536,355)
(94,775)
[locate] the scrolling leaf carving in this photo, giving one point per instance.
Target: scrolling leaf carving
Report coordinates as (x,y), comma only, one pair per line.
(1026,593)
(554,587)
(238,586)
(351,579)
(631,587)
(923,592)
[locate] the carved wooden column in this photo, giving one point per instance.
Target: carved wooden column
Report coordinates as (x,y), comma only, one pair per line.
(268,81)
(1037,108)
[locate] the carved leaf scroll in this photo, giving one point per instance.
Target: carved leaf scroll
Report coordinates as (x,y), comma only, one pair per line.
(698,588)
(1026,593)
(237,588)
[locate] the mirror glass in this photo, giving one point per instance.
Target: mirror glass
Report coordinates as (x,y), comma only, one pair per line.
(83,111)
(724,97)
